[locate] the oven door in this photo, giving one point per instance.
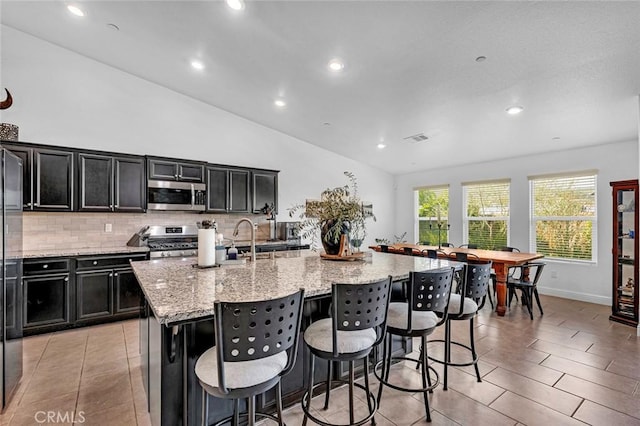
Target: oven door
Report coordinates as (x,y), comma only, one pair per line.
(166,195)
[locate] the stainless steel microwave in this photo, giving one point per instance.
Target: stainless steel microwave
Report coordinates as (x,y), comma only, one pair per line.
(182,196)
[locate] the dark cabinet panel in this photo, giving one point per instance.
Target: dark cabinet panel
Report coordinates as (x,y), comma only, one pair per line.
(26,155)
(47,178)
(164,169)
(46,300)
(265,190)
(127,291)
(217,189)
(94,294)
(96,179)
(53,181)
(239,201)
(111,184)
(130,185)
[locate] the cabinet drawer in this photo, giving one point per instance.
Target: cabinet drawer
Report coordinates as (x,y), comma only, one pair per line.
(96,262)
(46,266)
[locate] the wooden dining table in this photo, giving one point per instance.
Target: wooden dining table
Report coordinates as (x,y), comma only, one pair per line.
(502,260)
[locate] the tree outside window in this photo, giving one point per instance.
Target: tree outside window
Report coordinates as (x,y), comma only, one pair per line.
(563,216)
(487,214)
(432,207)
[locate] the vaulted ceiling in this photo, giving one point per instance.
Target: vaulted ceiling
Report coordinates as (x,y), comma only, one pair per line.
(410,68)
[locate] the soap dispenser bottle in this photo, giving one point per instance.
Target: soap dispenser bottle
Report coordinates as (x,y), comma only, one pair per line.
(233,252)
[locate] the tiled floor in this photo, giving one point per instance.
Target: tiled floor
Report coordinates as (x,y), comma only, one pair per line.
(571,366)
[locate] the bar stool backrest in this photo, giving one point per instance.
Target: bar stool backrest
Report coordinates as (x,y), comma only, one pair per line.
(476,280)
(430,291)
(359,307)
(247,331)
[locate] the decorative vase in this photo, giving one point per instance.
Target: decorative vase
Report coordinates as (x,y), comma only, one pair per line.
(333,247)
(8,132)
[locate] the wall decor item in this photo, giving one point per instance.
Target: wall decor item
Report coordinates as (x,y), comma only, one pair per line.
(8,132)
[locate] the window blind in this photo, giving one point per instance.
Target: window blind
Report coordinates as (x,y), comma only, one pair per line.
(563,216)
(487,213)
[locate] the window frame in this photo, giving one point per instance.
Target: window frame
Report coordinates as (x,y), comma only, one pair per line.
(465,210)
(416,217)
(533,220)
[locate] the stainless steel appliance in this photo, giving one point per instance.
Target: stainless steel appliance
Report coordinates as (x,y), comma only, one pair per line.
(170,240)
(289,232)
(168,195)
(11,276)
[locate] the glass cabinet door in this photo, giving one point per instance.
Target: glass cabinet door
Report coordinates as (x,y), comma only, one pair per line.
(625,251)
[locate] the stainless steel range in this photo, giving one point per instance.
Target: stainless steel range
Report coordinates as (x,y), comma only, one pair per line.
(171,240)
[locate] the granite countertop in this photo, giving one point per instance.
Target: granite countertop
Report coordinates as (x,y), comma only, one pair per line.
(178,292)
(70,252)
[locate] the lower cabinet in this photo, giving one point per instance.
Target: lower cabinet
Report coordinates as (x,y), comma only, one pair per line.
(47,296)
(72,292)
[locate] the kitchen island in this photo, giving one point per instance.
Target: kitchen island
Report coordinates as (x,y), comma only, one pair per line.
(176,324)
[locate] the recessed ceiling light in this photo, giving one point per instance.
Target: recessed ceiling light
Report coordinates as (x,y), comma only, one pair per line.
(235,4)
(381,146)
(197,64)
(555,138)
(336,65)
(75,10)
(513,110)
(481,58)
(326,123)
(280,103)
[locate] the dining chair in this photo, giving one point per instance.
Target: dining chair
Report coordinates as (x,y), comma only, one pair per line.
(528,286)
(469,246)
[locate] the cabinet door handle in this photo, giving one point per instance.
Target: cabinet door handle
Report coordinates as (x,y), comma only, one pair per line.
(28,204)
(95,262)
(36,204)
(66,279)
(45,266)
(115,275)
(111,274)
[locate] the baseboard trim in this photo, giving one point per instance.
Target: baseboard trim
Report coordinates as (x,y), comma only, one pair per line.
(592,298)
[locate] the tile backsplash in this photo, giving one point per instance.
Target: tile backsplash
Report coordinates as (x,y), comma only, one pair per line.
(44,230)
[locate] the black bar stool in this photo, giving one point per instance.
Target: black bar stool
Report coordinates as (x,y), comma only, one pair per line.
(357,325)
(465,305)
(256,344)
(425,310)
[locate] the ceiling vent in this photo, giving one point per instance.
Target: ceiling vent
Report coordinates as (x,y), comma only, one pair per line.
(419,137)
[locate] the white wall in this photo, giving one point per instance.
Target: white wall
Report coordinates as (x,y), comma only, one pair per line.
(62,98)
(589,282)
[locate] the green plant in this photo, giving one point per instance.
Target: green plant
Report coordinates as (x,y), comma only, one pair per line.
(339,210)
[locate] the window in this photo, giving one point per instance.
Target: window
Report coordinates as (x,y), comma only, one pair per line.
(432,209)
(486,222)
(563,216)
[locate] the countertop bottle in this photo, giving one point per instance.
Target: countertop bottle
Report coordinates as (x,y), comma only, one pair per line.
(232,253)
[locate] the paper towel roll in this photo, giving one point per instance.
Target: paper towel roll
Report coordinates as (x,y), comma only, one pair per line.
(206,247)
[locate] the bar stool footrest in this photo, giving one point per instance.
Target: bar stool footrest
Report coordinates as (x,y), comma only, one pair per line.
(434,383)
(230,418)
(454,364)
(373,403)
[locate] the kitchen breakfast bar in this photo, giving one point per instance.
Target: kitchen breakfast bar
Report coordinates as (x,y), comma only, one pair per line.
(176,326)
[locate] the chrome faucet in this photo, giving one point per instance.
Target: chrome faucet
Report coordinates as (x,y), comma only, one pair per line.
(253,235)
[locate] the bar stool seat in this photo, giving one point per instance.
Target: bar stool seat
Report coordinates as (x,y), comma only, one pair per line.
(469,307)
(318,336)
(398,317)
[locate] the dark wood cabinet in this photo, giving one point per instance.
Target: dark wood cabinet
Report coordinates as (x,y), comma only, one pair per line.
(167,169)
(47,294)
(228,190)
(625,252)
(265,190)
(239,187)
(94,294)
(107,287)
(48,182)
(111,184)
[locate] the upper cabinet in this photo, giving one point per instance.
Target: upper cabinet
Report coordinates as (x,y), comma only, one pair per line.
(265,190)
(47,178)
(167,169)
(111,184)
(228,190)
